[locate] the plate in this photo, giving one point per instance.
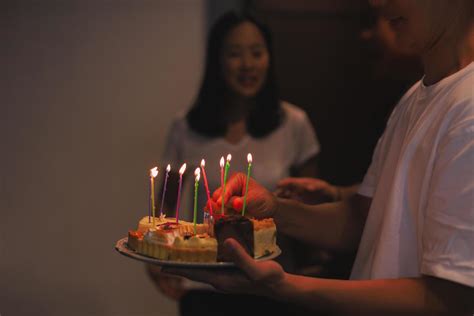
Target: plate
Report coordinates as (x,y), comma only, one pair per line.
(122,247)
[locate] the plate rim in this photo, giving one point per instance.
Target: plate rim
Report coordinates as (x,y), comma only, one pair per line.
(122,248)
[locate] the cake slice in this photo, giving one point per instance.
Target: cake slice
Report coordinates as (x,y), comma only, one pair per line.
(196,248)
(157,242)
(264,232)
(135,237)
(237,227)
(257,236)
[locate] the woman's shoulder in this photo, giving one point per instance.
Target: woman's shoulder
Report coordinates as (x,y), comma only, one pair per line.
(179,121)
(292,112)
(181,126)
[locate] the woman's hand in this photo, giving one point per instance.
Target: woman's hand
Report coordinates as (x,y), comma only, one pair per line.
(170,285)
(307,190)
(261,203)
(252,277)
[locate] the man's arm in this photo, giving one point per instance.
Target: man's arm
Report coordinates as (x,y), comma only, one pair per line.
(313,190)
(337,226)
(333,226)
(417,296)
(409,296)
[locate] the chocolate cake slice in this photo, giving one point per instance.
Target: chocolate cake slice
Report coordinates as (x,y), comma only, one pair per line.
(235,226)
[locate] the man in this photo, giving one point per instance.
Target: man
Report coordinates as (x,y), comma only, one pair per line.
(412,219)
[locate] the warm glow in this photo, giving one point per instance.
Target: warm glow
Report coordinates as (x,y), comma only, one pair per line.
(203,163)
(229,157)
(182,169)
(168,168)
(197,173)
(154,172)
(222,162)
(249,158)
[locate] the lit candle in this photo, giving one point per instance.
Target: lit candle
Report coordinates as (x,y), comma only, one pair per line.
(153,174)
(206,186)
(181,171)
(197,174)
(249,160)
(221,164)
(227,166)
(164,189)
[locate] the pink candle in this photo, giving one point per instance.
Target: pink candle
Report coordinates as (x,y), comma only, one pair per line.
(164,189)
(181,171)
(203,164)
(221,163)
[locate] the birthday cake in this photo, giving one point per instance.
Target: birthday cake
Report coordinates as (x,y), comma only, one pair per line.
(186,242)
(171,239)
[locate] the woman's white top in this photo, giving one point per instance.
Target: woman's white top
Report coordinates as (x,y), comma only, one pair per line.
(290,145)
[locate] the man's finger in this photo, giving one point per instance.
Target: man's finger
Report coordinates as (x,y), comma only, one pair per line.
(237,203)
(242,259)
(287,183)
(234,186)
(217,194)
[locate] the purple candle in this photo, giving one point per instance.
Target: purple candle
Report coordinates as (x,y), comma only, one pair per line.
(181,171)
(164,189)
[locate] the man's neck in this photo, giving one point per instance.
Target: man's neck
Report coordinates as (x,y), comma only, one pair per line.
(448,56)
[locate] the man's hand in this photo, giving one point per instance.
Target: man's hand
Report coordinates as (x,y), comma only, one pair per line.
(260,202)
(307,190)
(253,277)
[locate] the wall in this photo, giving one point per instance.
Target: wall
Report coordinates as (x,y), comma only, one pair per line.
(348,85)
(88,90)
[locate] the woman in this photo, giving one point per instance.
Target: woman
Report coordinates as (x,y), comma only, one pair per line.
(238,111)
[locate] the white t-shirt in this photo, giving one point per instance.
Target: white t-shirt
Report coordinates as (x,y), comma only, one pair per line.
(421,181)
(291,144)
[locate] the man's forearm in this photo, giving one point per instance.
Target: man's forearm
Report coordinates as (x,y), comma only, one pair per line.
(336,226)
(344,193)
(417,296)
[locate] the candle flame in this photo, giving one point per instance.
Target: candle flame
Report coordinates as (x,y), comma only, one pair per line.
(168,168)
(203,163)
(197,173)
(154,172)
(229,157)
(182,169)
(249,158)
(222,162)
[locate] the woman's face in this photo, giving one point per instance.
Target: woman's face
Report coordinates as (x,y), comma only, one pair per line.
(245,60)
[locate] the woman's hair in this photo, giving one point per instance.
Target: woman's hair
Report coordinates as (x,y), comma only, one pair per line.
(207,116)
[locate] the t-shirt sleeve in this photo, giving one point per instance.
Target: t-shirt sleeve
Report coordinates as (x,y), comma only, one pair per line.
(172,152)
(368,185)
(307,141)
(448,234)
